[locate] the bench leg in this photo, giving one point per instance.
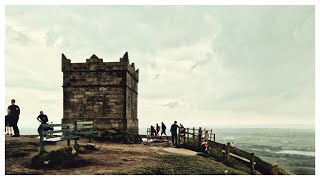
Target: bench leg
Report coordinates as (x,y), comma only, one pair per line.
(68,142)
(76,146)
(89,138)
(41,145)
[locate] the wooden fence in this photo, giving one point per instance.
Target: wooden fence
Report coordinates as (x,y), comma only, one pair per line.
(227,153)
(198,135)
(186,134)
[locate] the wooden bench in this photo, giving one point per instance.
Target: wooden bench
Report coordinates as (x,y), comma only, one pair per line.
(66,135)
(84,128)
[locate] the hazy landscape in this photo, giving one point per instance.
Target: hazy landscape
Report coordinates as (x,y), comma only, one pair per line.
(291,149)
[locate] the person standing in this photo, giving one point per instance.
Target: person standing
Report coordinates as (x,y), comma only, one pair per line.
(43,119)
(153,131)
(14,113)
(8,123)
(181,132)
(173,131)
(199,137)
(206,136)
(163,129)
(157,129)
(200,133)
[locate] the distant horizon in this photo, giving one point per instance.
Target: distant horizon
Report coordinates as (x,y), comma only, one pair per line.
(143,130)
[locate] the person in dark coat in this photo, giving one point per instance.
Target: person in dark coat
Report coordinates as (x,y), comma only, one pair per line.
(8,123)
(153,131)
(174,134)
(157,129)
(163,129)
(43,119)
(14,114)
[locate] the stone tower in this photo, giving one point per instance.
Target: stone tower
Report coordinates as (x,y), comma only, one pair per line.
(103,92)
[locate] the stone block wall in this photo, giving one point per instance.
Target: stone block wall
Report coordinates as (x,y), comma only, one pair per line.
(104,92)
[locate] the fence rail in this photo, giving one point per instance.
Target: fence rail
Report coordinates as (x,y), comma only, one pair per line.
(227,153)
(185,134)
(193,133)
(199,135)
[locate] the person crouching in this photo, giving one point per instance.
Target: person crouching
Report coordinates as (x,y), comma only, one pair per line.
(205,148)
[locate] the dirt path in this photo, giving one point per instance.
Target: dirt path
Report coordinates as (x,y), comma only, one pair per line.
(181,151)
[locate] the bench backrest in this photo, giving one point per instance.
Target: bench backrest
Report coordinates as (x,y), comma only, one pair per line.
(83,126)
(65,128)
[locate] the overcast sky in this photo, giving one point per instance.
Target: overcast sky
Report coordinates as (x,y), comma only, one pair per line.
(205,66)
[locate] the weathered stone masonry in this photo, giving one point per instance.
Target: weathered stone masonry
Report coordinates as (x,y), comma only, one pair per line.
(104,92)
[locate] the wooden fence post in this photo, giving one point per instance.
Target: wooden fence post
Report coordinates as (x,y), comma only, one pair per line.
(193,135)
(184,135)
(214,137)
(199,139)
(188,134)
(228,151)
(252,163)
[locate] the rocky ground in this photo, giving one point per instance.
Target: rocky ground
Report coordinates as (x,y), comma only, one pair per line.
(111,158)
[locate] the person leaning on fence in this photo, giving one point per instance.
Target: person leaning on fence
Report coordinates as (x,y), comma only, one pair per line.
(173,131)
(8,123)
(43,119)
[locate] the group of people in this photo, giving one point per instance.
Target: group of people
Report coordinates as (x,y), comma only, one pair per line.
(12,118)
(174,134)
(155,130)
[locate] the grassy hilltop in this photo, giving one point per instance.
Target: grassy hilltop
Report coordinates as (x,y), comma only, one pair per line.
(110,158)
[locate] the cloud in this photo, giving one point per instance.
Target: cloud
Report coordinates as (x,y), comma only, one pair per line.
(156,77)
(218,64)
(173,104)
(202,62)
